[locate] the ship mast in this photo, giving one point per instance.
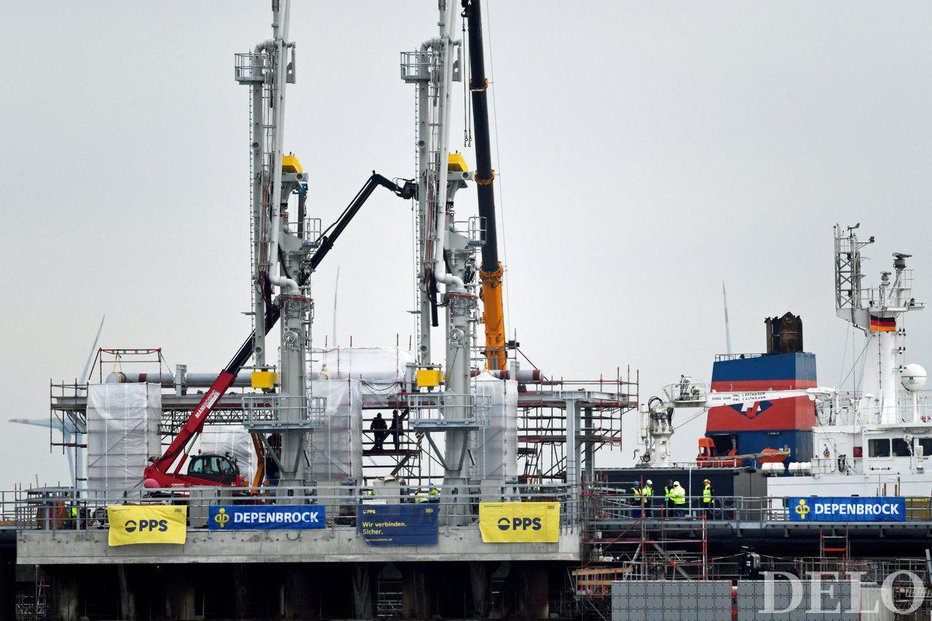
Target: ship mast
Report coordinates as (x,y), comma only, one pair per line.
(878,313)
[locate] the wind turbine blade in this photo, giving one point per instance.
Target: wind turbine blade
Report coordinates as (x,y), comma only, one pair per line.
(91,354)
(38,422)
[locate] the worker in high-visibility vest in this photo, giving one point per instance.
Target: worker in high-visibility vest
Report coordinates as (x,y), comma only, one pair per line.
(636,497)
(707,503)
(668,498)
(433,494)
(647,497)
(678,495)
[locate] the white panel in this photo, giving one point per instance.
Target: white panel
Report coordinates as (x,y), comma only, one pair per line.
(497,443)
(335,450)
(122,433)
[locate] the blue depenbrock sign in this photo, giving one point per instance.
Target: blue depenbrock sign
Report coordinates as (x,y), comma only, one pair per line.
(266,517)
(847,509)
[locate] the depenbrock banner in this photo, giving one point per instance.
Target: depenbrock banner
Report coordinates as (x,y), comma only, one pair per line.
(398,525)
(847,509)
(266,517)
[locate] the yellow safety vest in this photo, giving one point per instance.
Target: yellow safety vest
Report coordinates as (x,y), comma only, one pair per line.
(707,494)
(679,495)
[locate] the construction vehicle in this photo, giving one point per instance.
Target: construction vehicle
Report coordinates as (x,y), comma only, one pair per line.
(213,469)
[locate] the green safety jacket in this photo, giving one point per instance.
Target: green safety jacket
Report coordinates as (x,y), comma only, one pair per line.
(647,491)
(707,494)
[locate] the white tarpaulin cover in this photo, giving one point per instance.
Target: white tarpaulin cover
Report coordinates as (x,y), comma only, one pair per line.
(381,365)
(122,433)
(335,449)
(233,439)
(497,442)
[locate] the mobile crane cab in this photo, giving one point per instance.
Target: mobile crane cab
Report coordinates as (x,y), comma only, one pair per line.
(218,469)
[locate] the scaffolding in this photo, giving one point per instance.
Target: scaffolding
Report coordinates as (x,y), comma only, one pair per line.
(543,417)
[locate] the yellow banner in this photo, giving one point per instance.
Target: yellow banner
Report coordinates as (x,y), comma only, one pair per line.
(131,524)
(519,522)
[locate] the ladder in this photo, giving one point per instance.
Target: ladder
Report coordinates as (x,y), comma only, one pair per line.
(834,551)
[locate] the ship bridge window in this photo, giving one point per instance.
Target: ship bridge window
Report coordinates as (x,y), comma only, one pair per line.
(878,447)
(900,447)
(926,444)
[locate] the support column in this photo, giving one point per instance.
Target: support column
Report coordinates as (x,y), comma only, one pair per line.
(127,598)
(240,591)
(362,591)
(180,598)
(572,447)
(295,593)
(536,601)
(589,445)
(66,593)
(479,587)
(416,600)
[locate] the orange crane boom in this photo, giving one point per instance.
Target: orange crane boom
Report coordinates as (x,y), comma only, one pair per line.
(491,271)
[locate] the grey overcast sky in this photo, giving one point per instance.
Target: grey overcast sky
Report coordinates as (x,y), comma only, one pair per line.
(647,152)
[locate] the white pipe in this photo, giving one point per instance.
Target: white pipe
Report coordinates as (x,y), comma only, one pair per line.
(452,282)
(278,122)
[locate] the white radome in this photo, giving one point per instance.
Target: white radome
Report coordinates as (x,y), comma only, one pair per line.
(913,377)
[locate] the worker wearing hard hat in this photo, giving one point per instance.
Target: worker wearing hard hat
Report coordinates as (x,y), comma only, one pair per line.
(707,500)
(647,497)
(678,496)
(636,498)
(668,498)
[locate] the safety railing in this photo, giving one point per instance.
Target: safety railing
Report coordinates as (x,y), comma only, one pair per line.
(415,66)
(248,67)
(432,411)
(604,505)
(277,412)
(61,509)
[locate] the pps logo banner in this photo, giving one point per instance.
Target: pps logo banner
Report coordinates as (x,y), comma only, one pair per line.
(519,522)
(132,524)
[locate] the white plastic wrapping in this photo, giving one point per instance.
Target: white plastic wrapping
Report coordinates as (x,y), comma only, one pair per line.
(233,439)
(122,433)
(379,365)
(335,449)
(497,442)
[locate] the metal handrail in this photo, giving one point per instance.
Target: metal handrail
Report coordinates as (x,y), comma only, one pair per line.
(52,508)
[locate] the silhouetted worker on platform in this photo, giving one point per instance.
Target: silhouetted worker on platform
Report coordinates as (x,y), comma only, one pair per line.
(395,430)
(378,428)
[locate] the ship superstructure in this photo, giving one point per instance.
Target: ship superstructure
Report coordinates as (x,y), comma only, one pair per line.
(875,439)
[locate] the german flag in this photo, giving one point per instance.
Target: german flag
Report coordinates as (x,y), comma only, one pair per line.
(883,324)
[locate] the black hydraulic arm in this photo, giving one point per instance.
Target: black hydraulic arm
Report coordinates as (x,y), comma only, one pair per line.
(407,190)
(327,239)
(478,85)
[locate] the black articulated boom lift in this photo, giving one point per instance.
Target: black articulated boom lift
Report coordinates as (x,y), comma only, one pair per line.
(220,469)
